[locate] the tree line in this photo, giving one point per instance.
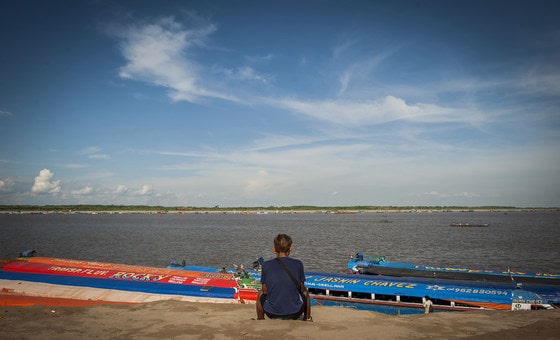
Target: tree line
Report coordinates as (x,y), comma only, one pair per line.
(151,208)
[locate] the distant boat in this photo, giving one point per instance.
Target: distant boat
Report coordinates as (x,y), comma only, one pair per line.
(469,225)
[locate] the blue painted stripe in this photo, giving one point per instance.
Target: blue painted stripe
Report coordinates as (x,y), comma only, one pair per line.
(447,290)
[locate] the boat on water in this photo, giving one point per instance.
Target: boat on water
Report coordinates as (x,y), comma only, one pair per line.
(406,295)
(394,295)
(113,283)
(483,225)
(546,284)
(24,280)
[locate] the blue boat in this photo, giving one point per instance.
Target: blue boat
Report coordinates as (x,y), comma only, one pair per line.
(112,282)
(378,265)
(395,295)
(447,295)
(545,284)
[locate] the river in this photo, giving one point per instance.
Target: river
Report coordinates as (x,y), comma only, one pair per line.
(324,242)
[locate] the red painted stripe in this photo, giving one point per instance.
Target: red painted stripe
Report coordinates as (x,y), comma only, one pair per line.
(123,275)
(247,294)
(127,267)
(488,305)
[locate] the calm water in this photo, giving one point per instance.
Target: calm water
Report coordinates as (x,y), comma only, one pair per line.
(518,240)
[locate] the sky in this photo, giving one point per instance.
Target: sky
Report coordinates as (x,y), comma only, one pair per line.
(280,103)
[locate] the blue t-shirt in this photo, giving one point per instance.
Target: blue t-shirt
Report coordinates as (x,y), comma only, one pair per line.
(283,297)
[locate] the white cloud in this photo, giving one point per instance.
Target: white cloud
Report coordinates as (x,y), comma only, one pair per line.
(93,152)
(344,81)
(260,58)
(43,183)
(359,74)
(258,183)
(84,191)
(145,190)
(121,189)
(342,48)
(99,156)
(467,194)
(390,108)
(447,195)
(541,81)
(90,150)
(246,73)
(157,54)
(74,166)
(6,184)
(327,174)
(5,113)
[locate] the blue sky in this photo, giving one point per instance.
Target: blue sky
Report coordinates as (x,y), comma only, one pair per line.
(278,103)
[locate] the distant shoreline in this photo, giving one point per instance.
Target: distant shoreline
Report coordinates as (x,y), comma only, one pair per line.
(112,209)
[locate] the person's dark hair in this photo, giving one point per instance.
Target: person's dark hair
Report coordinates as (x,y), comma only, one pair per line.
(282,243)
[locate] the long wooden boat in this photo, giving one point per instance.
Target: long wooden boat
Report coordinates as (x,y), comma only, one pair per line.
(30,279)
(483,225)
(395,295)
(379,266)
(546,284)
(113,283)
(411,293)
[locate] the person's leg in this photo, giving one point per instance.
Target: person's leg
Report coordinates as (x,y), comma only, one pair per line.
(260,310)
(307,310)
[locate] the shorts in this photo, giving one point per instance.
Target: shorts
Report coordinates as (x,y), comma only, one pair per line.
(293,316)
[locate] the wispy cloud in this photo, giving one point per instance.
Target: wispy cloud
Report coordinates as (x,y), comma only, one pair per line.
(257,59)
(87,190)
(388,109)
(90,150)
(247,73)
(342,47)
(99,156)
(5,113)
(73,166)
(6,184)
(448,195)
(93,152)
(356,75)
(159,54)
(539,80)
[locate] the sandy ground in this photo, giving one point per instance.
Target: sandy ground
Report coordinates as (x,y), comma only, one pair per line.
(185,320)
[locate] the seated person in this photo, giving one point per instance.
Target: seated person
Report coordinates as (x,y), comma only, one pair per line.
(283,294)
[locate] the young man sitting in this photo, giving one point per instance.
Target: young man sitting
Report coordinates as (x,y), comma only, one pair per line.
(283,294)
